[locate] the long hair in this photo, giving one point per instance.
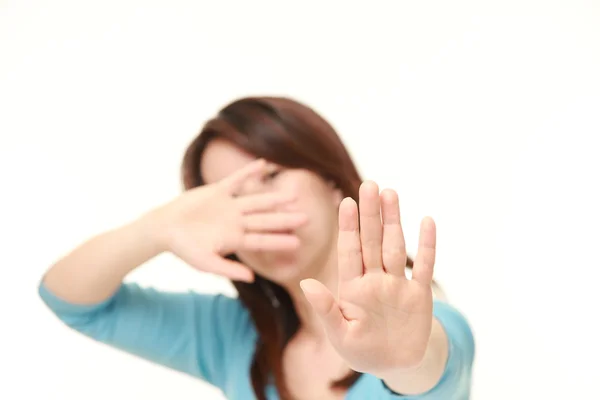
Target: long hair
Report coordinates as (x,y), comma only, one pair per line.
(291,134)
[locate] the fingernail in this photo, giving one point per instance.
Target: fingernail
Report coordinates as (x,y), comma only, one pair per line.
(244,277)
(305,285)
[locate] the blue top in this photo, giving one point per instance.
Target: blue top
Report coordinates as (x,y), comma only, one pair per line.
(212,337)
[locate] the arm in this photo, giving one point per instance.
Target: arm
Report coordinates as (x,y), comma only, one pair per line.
(188,332)
(184,331)
(446,368)
(94,271)
(197,334)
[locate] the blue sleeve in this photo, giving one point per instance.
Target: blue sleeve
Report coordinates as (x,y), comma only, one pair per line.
(455,383)
(187,332)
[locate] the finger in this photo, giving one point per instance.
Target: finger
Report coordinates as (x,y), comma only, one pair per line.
(270,242)
(234,181)
(350,260)
(425,259)
(370,226)
(263,201)
(228,268)
(275,221)
(393,247)
(326,308)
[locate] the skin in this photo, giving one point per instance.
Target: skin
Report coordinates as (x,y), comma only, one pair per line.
(357,308)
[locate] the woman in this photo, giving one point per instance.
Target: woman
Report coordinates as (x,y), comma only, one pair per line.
(324,311)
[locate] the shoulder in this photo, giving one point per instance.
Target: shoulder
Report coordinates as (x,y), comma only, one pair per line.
(219,322)
(221,313)
(455,323)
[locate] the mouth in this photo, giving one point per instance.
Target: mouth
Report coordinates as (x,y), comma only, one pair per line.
(282,232)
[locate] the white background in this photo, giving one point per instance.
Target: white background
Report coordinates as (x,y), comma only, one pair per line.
(485,116)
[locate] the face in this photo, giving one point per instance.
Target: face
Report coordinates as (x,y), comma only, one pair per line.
(317,198)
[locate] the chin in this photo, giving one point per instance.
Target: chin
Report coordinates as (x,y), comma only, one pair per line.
(285,268)
(282,269)
(290,267)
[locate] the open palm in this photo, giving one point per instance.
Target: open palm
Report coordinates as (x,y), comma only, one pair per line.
(379,320)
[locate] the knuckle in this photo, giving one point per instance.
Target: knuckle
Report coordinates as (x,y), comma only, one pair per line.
(392,251)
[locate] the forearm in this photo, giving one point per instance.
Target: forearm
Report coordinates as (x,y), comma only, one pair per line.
(93,271)
(423,378)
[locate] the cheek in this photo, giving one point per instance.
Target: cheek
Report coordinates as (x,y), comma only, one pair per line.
(246,257)
(251,260)
(290,186)
(323,215)
(318,200)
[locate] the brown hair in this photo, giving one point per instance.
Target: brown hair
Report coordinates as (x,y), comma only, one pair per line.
(290,134)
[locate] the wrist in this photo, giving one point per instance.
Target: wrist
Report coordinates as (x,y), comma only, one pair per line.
(149,233)
(424,375)
(404,371)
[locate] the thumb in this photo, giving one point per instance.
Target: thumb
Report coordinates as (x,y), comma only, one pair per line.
(325,306)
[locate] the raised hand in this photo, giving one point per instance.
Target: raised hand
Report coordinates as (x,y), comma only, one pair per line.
(378,320)
(206,223)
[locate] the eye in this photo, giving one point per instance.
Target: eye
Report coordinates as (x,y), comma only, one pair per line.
(271,175)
